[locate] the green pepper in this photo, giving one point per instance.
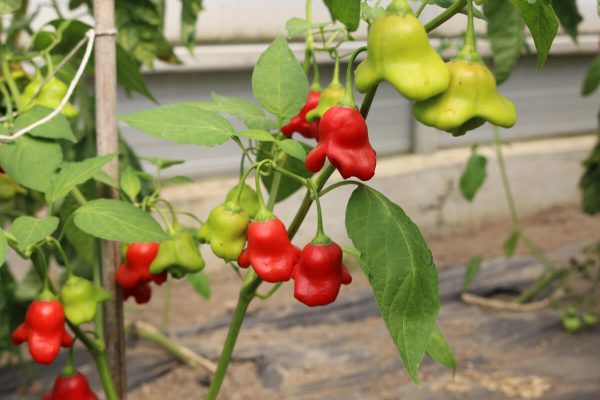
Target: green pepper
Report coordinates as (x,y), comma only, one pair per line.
(50,95)
(248,199)
(80,299)
(9,188)
(225,230)
(470,101)
(399,52)
(330,97)
(179,256)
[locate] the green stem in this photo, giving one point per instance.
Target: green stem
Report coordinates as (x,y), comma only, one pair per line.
(167,305)
(505,182)
(421,7)
(78,196)
(335,80)
(105,376)
(368,101)
(275,184)
(349,98)
(320,237)
(337,185)
(309,38)
(539,286)
(60,249)
(271,292)
(244,150)
(445,15)
(12,86)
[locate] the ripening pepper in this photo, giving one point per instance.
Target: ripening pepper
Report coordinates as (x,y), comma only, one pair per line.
(225,231)
(399,52)
(179,256)
(470,101)
(136,269)
(248,199)
(309,130)
(80,299)
(344,140)
(319,273)
(329,98)
(270,251)
(9,188)
(50,95)
(71,387)
(43,329)
(141,293)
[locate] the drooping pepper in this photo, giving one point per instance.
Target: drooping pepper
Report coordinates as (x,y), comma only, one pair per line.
(136,269)
(179,256)
(225,230)
(319,274)
(70,385)
(331,96)
(80,299)
(248,199)
(43,329)
(141,293)
(50,95)
(270,251)
(399,52)
(309,130)
(344,140)
(9,188)
(470,101)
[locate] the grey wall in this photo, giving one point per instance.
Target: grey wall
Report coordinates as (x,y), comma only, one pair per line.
(548,103)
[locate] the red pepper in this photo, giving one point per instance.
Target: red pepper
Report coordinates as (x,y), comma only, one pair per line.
(142,293)
(269,251)
(73,387)
(344,140)
(319,274)
(43,330)
(136,268)
(309,130)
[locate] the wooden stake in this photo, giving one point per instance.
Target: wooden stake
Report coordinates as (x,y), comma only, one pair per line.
(107,143)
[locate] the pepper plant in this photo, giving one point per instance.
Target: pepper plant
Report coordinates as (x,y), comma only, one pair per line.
(244,231)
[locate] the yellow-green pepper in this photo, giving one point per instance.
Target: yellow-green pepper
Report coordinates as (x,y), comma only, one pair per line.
(50,95)
(179,255)
(80,299)
(225,230)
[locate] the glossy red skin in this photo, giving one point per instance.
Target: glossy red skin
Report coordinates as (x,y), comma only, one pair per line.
(43,330)
(344,140)
(136,269)
(319,274)
(309,130)
(141,293)
(75,387)
(269,251)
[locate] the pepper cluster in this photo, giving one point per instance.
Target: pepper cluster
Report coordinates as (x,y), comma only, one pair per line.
(134,275)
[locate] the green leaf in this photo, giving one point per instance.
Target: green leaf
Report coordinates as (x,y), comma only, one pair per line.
(29,230)
(292,148)
(278,80)
(162,163)
(183,124)
(9,6)
(439,350)
(31,162)
(506,33)
(448,3)
(118,220)
(473,268)
(256,134)
(200,283)
(177,180)
(287,186)
(103,177)
(592,78)
(72,174)
(347,12)
(568,16)
(85,245)
(130,183)
(400,269)
(129,75)
(543,25)
(3,247)
(298,26)
(246,111)
(57,128)
(189,17)
(473,176)
(511,243)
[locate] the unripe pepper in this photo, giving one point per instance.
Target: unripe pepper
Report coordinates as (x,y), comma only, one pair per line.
(225,230)
(80,299)
(470,101)
(344,140)
(50,95)
(399,52)
(136,269)
(270,251)
(141,293)
(43,329)
(248,199)
(331,96)
(309,130)
(179,256)
(319,274)
(9,188)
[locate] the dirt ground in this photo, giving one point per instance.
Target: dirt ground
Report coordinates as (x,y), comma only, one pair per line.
(551,229)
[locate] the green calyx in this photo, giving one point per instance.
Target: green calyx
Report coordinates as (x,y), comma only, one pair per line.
(329,98)
(46,294)
(80,299)
(225,231)
(399,7)
(69,368)
(179,256)
(321,239)
(264,214)
(248,199)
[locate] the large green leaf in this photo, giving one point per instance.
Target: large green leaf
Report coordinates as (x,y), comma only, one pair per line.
(72,174)
(347,12)
(30,161)
(129,75)
(473,176)
(399,265)
(57,128)
(29,230)
(246,111)
(293,148)
(592,78)
(439,349)
(182,123)
(278,80)
(568,16)
(506,33)
(118,220)
(543,25)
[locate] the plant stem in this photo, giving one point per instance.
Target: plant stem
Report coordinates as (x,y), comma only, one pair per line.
(421,7)
(505,182)
(105,376)
(167,305)
(541,284)
(445,15)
